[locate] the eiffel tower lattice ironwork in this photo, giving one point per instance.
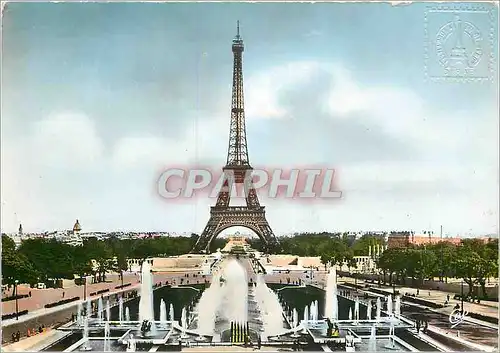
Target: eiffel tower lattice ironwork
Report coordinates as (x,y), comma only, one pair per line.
(223,216)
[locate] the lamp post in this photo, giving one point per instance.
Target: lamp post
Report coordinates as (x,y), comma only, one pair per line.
(462,297)
(85,288)
(441,255)
(17,303)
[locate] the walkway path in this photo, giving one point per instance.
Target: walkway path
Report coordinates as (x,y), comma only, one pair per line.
(35,343)
(40,297)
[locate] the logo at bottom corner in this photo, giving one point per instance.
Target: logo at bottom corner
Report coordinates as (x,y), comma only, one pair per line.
(457,317)
(459,48)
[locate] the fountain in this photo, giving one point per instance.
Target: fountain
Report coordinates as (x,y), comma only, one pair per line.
(108,311)
(120,310)
(372,341)
(85,346)
(271,313)
(207,307)
(163,312)
(391,344)
(131,344)
(295,323)
(379,309)
(397,306)
(369,310)
(224,303)
(356,311)
(79,314)
(331,300)
(107,334)
(304,322)
(146,302)
(184,323)
(313,311)
(100,309)
(171,312)
(389,306)
(235,285)
(88,310)
(349,343)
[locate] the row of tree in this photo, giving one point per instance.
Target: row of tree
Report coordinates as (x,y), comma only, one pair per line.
(473,260)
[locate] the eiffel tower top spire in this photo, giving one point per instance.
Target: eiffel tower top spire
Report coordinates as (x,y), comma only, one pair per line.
(237,155)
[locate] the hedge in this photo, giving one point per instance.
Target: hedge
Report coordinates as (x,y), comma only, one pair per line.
(13,315)
(14,297)
(61,302)
(422,302)
(99,292)
(123,286)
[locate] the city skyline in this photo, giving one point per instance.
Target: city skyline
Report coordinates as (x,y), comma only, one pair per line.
(99,98)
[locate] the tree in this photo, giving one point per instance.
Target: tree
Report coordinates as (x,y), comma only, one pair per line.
(445,252)
(102,255)
(467,263)
(325,259)
(82,265)
(15,266)
(425,262)
(388,262)
(51,258)
(487,263)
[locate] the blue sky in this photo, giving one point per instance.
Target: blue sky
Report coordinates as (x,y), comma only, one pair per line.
(99,97)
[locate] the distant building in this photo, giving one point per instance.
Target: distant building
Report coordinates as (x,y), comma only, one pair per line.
(405,239)
(236,242)
(364,264)
(77,228)
(20,232)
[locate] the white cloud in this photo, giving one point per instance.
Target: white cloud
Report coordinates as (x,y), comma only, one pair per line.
(67,140)
(201,140)
(261,100)
(37,169)
(396,111)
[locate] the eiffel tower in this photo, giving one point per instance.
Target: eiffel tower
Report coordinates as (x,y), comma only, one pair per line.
(251,216)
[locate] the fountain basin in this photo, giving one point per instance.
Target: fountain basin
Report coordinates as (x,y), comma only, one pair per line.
(157,337)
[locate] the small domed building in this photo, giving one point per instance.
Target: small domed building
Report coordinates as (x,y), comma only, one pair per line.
(77,227)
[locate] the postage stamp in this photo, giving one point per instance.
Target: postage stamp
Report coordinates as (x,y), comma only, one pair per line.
(459,43)
(181,176)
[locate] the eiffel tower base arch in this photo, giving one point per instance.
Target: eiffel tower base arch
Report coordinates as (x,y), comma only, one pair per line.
(221,219)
